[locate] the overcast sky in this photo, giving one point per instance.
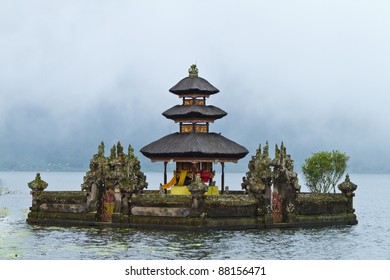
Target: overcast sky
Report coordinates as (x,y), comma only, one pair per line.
(314,74)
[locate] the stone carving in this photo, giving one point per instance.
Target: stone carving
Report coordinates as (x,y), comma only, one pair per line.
(283,170)
(37,185)
(118,171)
(119,151)
(193,71)
(263,172)
(259,176)
(279,173)
(348,188)
(113,153)
(198,186)
(290,208)
(197,189)
(101,150)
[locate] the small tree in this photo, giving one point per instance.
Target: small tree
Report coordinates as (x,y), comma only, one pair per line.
(323,170)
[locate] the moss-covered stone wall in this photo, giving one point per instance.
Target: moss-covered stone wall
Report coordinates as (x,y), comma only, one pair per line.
(66,197)
(320,203)
(231,206)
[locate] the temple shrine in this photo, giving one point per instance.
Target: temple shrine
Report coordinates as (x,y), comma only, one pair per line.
(114,190)
(194,148)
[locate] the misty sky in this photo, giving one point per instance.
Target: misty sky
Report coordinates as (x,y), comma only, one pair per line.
(314,74)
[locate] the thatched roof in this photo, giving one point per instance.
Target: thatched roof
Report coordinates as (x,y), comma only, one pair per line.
(194,84)
(194,112)
(194,146)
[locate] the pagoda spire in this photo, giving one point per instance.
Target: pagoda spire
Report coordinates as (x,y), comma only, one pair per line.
(193,71)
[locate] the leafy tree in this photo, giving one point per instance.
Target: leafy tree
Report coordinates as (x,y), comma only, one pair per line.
(323,170)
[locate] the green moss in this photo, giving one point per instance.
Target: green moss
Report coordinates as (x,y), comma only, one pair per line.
(160,200)
(72,197)
(37,184)
(321,204)
(41,217)
(230,201)
(345,218)
(320,199)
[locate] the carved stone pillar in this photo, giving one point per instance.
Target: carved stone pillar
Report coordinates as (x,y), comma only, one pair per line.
(37,186)
(348,188)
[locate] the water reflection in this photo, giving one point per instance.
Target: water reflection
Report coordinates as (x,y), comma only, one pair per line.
(35,242)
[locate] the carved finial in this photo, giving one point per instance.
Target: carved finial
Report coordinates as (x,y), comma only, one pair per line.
(37,184)
(193,71)
(101,149)
(130,150)
(119,150)
(283,150)
(265,151)
(277,151)
(347,187)
(258,151)
(113,152)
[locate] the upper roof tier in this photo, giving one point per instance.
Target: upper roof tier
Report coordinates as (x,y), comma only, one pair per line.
(193,85)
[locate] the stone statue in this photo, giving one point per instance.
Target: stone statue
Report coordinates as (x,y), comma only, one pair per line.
(197,185)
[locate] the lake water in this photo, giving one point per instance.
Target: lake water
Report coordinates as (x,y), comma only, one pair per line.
(369,240)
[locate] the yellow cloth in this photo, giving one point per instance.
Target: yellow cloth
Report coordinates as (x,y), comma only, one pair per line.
(213,190)
(183,190)
(183,175)
(170,183)
(180,190)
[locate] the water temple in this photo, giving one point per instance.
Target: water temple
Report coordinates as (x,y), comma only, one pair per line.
(114,190)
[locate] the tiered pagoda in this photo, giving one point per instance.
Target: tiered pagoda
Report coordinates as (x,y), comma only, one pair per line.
(194,148)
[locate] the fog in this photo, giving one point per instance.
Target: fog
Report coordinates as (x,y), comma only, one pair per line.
(313,74)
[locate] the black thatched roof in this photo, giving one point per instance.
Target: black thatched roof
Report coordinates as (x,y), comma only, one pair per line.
(194,111)
(187,146)
(194,85)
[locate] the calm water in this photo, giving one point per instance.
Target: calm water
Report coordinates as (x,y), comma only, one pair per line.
(370,239)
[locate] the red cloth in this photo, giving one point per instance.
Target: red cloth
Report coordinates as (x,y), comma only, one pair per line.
(205,176)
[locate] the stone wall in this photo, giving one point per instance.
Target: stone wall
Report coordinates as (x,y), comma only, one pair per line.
(113,195)
(318,204)
(62,201)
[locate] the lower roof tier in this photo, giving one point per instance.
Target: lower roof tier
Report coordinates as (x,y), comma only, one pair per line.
(194,147)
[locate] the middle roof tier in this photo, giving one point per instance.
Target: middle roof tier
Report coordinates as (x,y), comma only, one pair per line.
(181,113)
